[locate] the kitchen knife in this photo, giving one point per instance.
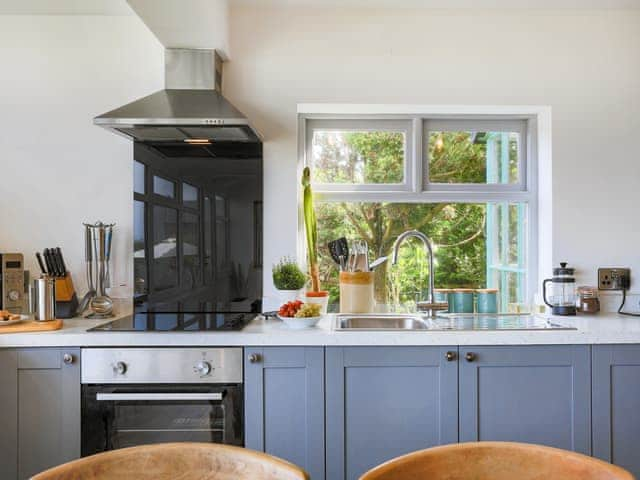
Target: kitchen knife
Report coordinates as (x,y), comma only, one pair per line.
(47,261)
(63,267)
(56,261)
(43,269)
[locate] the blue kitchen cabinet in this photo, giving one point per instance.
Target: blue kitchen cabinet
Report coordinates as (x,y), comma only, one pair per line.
(616,405)
(386,401)
(284,404)
(39,409)
(532,394)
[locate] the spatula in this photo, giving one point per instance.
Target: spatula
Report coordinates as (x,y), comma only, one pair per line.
(339,250)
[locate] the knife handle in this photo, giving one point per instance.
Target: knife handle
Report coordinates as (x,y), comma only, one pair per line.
(47,261)
(63,267)
(41,263)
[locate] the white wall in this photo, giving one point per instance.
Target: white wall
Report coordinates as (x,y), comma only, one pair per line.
(585,65)
(56,168)
(58,72)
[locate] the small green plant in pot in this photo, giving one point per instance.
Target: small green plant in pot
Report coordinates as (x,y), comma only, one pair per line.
(288,278)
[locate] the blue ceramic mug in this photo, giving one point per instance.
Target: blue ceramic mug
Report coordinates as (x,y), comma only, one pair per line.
(462,301)
(487,300)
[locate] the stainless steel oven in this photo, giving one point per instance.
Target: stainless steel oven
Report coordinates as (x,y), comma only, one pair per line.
(153,395)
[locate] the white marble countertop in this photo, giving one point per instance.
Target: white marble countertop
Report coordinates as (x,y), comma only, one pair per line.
(595,329)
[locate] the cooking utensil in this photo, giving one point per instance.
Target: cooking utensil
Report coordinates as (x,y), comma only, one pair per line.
(98,238)
(44,298)
(107,256)
(361,259)
(338,248)
(377,262)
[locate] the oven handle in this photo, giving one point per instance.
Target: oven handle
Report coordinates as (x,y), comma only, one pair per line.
(157,397)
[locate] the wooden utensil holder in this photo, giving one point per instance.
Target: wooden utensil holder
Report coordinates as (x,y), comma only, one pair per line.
(66,298)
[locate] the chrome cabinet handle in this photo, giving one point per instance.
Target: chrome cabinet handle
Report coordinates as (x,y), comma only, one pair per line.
(450,356)
(158,397)
(470,356)
(68,358)
(254,358)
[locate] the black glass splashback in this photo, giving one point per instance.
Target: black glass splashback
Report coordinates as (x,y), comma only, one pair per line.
(197,228)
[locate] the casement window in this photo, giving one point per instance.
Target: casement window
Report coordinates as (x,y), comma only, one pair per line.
(467,182)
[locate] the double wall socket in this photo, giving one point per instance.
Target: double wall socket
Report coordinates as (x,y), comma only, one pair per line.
(614,278)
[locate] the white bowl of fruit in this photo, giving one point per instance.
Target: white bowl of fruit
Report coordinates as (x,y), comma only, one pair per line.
(298,315)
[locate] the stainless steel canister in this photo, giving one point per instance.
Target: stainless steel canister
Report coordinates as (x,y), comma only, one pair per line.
(44,298)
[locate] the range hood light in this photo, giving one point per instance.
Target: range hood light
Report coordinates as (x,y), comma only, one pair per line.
(197,141)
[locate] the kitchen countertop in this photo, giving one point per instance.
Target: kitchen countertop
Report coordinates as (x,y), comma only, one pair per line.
(597,329)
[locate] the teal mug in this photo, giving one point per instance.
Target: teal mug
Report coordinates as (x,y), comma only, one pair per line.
(462,300)
(487,300)
(443,295)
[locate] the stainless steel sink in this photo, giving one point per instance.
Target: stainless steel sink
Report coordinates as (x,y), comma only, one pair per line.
(446,322)
(379,322)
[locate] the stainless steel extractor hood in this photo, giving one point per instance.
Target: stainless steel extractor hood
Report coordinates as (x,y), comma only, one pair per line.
(190,110)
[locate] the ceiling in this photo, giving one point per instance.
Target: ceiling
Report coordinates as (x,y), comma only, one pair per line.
(64,7)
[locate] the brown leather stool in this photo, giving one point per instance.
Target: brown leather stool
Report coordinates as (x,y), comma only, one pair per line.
(184,461)
(495,461)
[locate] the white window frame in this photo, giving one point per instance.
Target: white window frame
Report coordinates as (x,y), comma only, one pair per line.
(535,172)
(363,125)
(504,124)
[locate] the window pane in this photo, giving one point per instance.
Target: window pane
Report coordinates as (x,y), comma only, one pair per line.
(506,227)
(139,254)
(358,157)
(473,157)
(191,250)
(189,196)
(138,177)
(164,187)
(462,245)
(165,259)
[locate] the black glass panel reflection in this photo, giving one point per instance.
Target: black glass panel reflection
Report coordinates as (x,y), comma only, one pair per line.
(201,244)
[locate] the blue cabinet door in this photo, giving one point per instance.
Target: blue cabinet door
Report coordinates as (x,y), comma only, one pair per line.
(616,405)
(383,402)
(39,409)
(284,404)
(531,394)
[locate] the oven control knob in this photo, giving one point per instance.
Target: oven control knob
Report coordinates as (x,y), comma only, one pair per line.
(203,368)
(120,368)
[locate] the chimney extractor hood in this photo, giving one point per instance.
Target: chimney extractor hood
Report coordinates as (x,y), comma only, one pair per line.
(189,110)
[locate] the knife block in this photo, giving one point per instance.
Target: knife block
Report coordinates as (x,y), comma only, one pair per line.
(66,298)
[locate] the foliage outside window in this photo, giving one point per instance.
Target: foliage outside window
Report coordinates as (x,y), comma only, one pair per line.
(479,237)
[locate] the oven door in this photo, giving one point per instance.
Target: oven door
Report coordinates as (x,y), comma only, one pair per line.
(118,416)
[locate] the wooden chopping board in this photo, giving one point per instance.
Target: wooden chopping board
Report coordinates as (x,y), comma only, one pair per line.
(32,326)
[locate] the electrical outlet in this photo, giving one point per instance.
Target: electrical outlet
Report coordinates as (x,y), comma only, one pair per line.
(614,278)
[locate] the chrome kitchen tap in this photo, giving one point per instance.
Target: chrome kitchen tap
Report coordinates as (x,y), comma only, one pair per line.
(430,306)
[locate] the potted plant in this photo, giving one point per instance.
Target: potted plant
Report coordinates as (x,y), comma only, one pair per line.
(315,295)
(288,279)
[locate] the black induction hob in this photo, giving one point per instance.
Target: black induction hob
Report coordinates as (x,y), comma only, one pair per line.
(177,322)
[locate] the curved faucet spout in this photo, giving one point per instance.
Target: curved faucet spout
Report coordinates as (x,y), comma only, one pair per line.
(429,250)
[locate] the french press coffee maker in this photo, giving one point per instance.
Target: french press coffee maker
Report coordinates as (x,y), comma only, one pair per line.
(563,291)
